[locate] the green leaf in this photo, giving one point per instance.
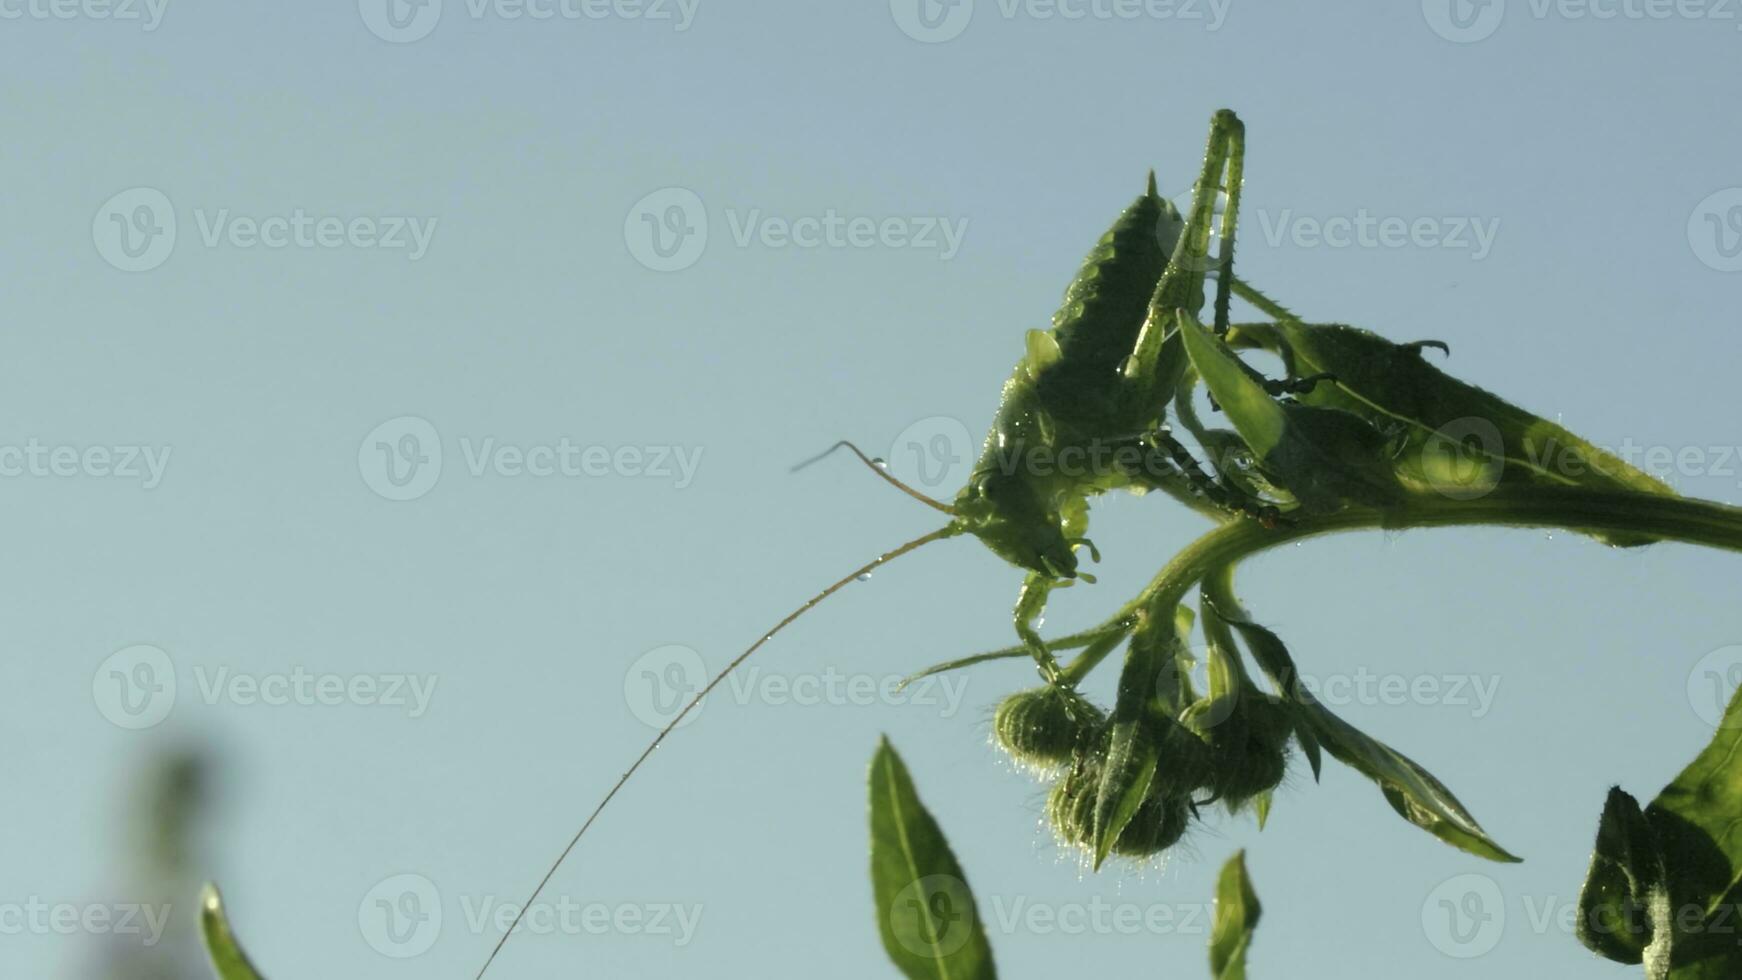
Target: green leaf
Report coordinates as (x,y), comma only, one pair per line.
(1663,884)
(1624,907)
(1019,651)
(1133,753)
(1261,807)
(1411,790)
(1134,748)
(1450,437)
(1309,744)
(1258,417)
(1237,914)
(228,960)
(925,910)
(1324,457)
(1696,823)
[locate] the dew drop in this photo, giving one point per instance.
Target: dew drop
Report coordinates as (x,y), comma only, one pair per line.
(863,577)
(879,462)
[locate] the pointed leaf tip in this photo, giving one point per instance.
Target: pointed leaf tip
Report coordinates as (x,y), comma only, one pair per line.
(228,959)
(1236,917)
(926,913)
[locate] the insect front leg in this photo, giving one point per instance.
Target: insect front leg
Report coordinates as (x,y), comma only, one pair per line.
(1030,605)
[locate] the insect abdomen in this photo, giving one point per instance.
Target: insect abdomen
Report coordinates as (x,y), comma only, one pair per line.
(1105,305)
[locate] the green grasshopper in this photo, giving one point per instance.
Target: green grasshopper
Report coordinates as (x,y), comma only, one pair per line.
(1082,414)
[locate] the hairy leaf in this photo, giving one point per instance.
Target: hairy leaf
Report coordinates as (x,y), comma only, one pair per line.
(925,911)
(1697,825)
(1411,790)
(1624,907)
(1449,437)
(1134,748)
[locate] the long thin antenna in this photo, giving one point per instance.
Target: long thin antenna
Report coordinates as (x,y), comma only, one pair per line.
(880,471)
(947,531)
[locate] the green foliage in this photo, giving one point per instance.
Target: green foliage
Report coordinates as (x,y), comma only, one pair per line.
(927,915)
(1411,790)
(1665,884)
(1624,908)
(1442,435)
(1325,458)
(925,910)
(1237,914)
(228,960)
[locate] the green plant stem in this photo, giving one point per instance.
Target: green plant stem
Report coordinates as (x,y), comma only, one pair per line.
(1681,519)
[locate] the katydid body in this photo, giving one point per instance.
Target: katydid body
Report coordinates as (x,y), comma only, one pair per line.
(1093,389)
(1083,412)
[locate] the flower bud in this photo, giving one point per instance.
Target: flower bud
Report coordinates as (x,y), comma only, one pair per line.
(1045,727)
(1157,825)
(1160,821)
(1250,749)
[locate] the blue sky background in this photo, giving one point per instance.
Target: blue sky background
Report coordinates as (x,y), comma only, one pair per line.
(1591,146)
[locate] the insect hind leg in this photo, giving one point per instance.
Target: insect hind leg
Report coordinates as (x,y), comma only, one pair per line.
(1182,285)
(1227,498)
